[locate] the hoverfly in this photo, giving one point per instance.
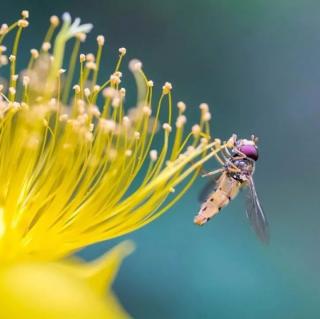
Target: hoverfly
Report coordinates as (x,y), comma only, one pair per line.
(236,173)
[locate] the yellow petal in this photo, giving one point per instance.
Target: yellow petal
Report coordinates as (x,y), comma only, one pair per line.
(62,290)
(37,291)
(101,272)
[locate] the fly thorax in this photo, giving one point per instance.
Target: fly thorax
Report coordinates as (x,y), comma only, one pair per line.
(245,166)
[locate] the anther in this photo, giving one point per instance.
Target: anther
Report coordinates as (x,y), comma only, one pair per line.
(122,92)
(14,77)
(86,92)
(109,92)
(12,90)
(12,58)
(206,116)
(4,29)
(81,36)
(181,106)
(63,117)
(167,127)
(204,107)
(91,65)
(34,53)
(22,23)
(153,155)
(114,79)
(181,120)
(122,51)
(135,65)
(90,57)
(196,130)
(128,153)
(76,88)
(3,60)
(126,121)
(116,101)
(46,46)
(96,88)
(100,40)
(54,20)
(166,88)
(82,57)
(147,110)
(25,14)
(137,135)
(107,125)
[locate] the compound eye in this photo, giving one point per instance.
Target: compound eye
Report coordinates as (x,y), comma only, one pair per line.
(251,151)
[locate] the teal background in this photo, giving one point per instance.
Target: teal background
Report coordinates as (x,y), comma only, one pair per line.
(257,63)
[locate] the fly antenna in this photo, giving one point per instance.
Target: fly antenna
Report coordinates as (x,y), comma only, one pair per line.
(254,138)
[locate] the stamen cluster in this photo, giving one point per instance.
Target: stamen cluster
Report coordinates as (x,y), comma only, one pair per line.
(76,167)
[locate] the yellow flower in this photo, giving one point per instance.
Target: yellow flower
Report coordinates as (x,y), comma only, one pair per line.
(77,290)
(73,176)
(76,168)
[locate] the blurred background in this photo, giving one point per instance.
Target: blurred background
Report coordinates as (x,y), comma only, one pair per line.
(256,62)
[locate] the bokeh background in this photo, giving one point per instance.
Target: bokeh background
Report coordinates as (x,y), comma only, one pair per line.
(257,63)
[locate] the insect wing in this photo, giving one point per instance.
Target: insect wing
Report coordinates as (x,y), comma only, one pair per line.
(208,188)
(255,213)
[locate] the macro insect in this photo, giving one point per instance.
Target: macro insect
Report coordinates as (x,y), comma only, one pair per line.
(236,173)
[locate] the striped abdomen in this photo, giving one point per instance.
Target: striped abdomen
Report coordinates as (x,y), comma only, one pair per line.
(226,189)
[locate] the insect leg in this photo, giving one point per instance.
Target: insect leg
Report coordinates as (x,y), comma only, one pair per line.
(233,169)
(225,154)
(202,170)
(217,171)
(223,162)
(218,158)
(241,155)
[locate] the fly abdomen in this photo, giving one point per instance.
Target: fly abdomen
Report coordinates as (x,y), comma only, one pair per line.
(227,188)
